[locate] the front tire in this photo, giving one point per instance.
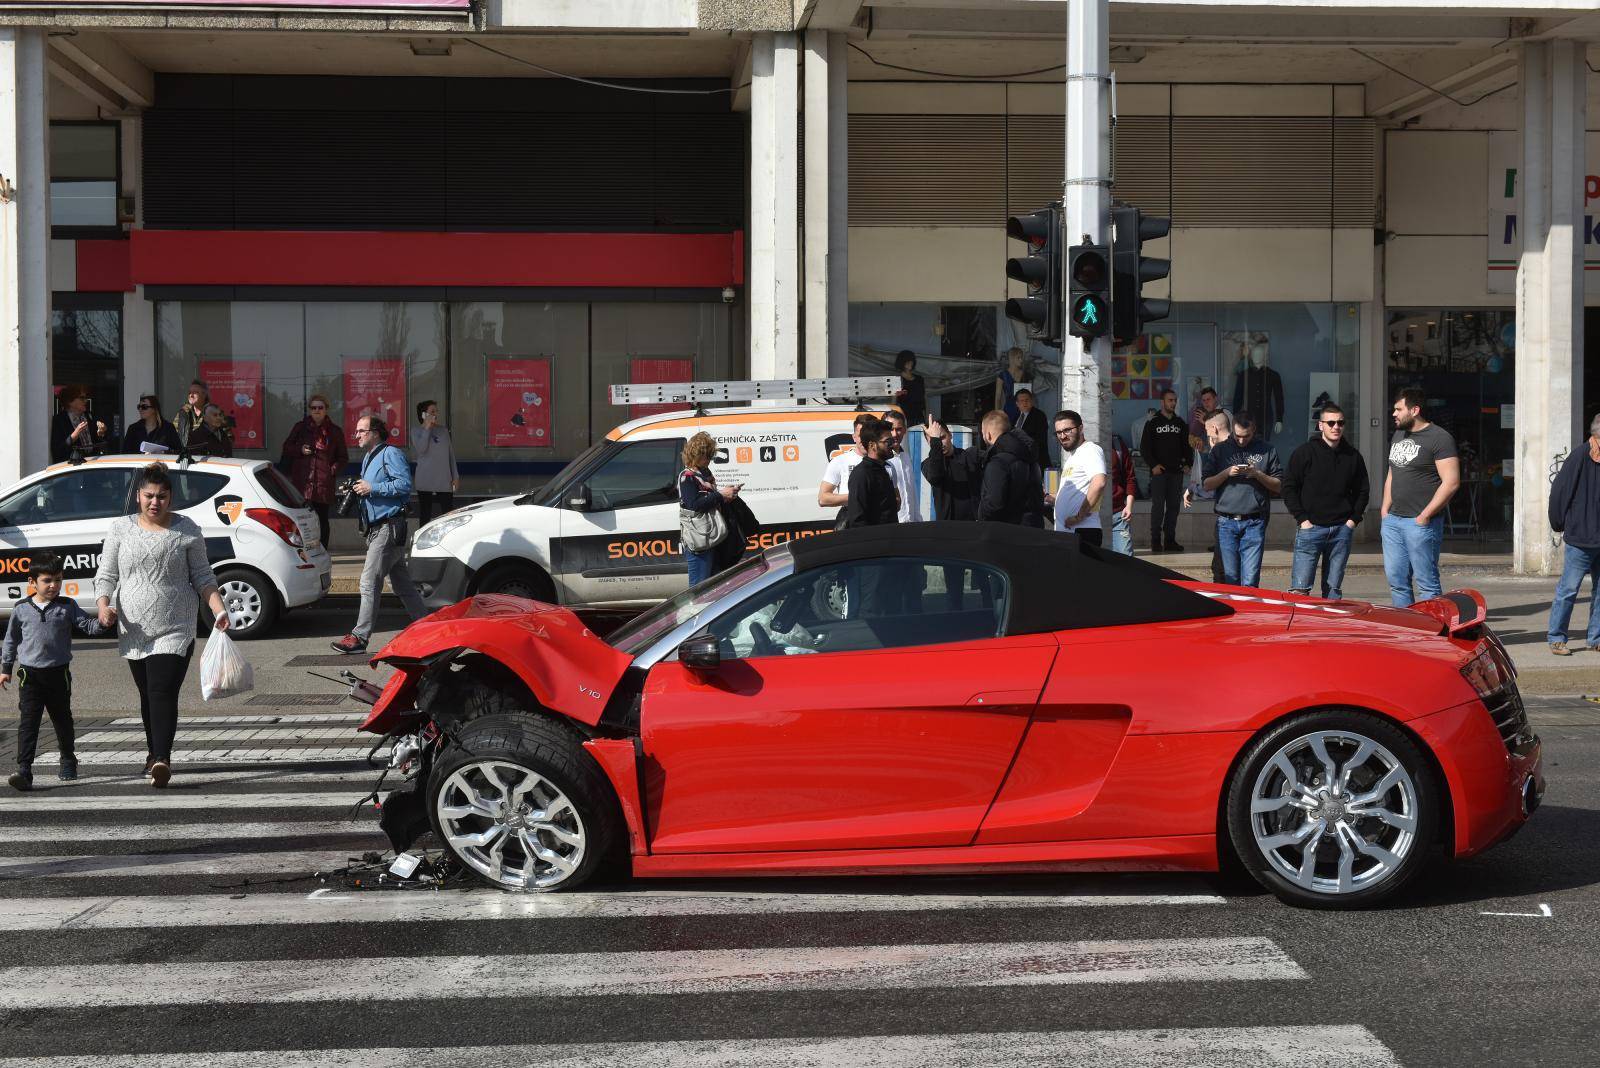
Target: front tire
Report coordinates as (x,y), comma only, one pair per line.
(253,605)
(518,580)
(521,805)
(1336,809)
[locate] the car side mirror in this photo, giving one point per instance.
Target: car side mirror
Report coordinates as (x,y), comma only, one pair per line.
(700,653)
(579,499)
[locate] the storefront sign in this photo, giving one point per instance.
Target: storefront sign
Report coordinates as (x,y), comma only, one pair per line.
(648,371)
(375,386)
(1505,201)
(520,402)
(307,5)
(235,387)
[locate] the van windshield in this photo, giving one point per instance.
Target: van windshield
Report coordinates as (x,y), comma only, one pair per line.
(550,493)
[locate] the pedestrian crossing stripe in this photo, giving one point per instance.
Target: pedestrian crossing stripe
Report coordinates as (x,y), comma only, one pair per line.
(640,974)
(222,910)
(281,720)
(45,834)
(1346,1045)
(249,732)
(221,755)
(71,801)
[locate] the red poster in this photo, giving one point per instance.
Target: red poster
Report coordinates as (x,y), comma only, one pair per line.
(375,386)
(520,402)
(644,371)
(235,387)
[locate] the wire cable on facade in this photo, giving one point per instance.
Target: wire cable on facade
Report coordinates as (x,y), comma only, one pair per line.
(600,84)
(1432,89)
(947,74)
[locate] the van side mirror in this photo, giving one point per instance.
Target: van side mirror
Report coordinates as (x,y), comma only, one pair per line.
(579,499)
(700,653)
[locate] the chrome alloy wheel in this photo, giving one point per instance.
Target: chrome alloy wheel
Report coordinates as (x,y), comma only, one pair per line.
(1334,812)
(511,825)
(243,602)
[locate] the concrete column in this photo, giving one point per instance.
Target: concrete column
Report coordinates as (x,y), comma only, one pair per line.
(827,234)
(138,314)
(1549,291)
(774,222)
(25,406)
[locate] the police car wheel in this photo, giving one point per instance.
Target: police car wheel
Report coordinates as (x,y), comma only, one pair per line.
(252,603)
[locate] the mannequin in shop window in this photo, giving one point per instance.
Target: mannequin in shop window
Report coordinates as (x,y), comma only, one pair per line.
(1259,389)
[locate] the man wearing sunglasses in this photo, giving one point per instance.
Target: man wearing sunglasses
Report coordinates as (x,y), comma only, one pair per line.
(1326,490)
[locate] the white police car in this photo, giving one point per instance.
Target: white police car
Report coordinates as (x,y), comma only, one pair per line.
(261,538)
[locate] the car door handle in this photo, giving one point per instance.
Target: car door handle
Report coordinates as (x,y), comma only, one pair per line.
(1005,698)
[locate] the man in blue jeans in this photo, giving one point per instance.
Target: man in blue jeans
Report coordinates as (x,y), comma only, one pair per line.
(1575,515)
(1244,473)
(1424,473)
(1325,488)
(384,487)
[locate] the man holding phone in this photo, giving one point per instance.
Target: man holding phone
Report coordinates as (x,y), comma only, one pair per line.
(1244,473)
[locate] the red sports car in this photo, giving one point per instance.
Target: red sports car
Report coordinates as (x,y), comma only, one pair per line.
(951,697)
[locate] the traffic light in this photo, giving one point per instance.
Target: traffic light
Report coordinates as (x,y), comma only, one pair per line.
(1088,291)
(1131,269)
(1040,269)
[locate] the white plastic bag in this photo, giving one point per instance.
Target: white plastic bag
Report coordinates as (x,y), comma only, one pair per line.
(223,671)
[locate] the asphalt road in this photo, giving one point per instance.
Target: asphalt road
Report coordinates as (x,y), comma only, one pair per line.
(137,925)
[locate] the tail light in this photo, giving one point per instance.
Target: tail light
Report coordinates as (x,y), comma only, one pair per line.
(280,524)
(1483,673)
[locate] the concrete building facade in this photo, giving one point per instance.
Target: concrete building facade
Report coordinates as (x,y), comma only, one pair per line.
(507,206)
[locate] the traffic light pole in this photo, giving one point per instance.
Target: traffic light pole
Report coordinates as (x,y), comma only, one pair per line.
(1086,200)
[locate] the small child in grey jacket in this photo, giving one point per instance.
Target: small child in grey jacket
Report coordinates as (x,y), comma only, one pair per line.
(38,650)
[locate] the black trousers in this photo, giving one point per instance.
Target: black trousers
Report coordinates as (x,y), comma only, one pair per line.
(322,519)
(1166,500)
(40,691)
(159,678)
(430,504)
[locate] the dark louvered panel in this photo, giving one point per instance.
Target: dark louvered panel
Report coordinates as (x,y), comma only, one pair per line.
(1143,173)
(188,168)
(927,170)
(1355,172)
(375,153)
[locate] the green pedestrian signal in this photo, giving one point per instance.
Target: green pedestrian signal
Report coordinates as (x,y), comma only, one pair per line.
(1089,283)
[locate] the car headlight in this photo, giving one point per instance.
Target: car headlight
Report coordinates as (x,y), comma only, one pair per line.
(434,533)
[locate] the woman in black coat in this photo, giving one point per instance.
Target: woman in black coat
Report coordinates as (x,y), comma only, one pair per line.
(151,427)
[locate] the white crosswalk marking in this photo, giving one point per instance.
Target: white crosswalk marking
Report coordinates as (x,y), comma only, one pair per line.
(1347,1046)
(71,801)
(284,946)
(984,964)
(213,910)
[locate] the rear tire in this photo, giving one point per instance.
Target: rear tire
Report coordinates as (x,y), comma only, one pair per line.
(520,804)
(1335,809)
(253,604)
(518,580)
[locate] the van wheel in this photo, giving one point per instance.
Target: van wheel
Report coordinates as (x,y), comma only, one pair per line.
(518,580)
(520,803)
(253,605)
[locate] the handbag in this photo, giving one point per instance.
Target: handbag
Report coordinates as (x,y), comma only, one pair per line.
(702,530)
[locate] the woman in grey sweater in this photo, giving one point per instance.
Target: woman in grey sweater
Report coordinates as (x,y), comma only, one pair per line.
(436,478)
(153,575)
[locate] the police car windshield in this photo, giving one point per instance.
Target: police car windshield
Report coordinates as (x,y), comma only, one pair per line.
(636,635)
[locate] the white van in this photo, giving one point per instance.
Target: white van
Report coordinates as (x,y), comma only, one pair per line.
(605,530)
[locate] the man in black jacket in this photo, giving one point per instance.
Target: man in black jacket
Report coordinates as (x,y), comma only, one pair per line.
(1031,421)
(953,474)
(1165,448)
(1326,490)
(1012,486)
(873,501)
(1575,515)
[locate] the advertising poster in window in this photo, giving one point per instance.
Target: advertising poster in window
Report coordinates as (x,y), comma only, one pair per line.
(520,395)
(375,385)
(644,371)
(235,387)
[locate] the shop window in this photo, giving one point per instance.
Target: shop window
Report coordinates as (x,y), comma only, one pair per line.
(86,353)
(85,178)
(1464,361)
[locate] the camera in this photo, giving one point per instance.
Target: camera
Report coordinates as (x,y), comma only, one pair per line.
(346,502)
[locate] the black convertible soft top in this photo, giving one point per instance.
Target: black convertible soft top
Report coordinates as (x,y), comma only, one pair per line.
(1057,581)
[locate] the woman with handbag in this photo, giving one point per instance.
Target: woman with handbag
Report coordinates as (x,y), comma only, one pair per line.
(700,500)
(313,455)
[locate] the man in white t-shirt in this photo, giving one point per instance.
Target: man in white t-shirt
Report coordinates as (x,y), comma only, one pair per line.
(835,488)
(900,470)
(1083,480)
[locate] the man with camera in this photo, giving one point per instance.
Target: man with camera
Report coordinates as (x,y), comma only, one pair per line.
(384,487)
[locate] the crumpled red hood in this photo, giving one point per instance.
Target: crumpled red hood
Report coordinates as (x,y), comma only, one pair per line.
(567,666)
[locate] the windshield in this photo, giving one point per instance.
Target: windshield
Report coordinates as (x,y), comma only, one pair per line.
(636,635)
(550,493)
